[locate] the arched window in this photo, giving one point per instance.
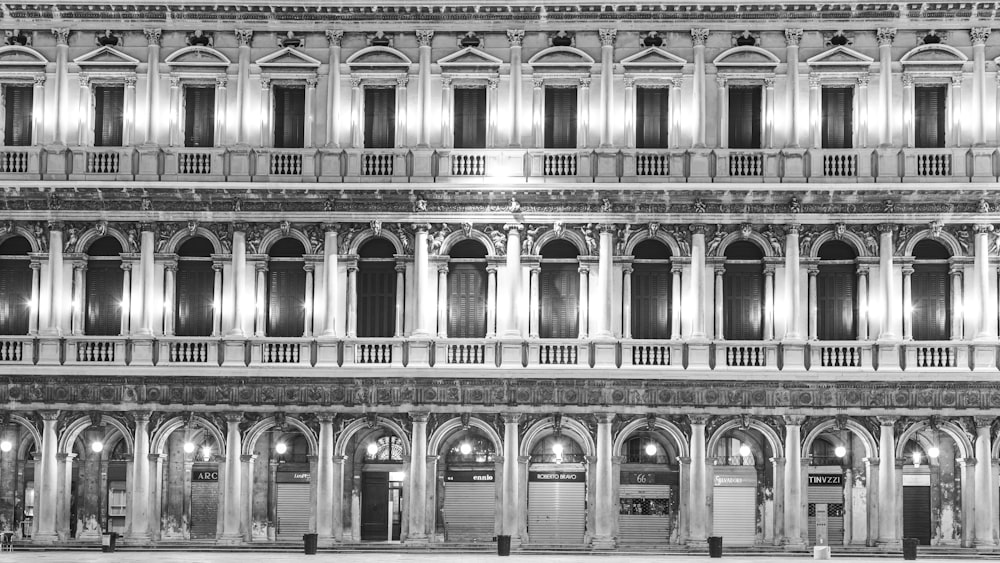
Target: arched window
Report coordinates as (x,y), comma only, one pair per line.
(743,288)
(467,281)
(286,289)
(930,290)
(195,288)
(651,287)
(104,288)
(559,284)
(376,289)
(15,285)
(836,292)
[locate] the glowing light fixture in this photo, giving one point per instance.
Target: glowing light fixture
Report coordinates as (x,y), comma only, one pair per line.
(650,449)
(917,456)
(206,453)
(188,447)
(745,450)
(465,448)
(557,449)
(372,449)
(281,448)
(933,452)
(97,446)
(6,446)
(840,451)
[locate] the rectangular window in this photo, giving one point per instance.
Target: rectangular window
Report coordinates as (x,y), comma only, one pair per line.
(109,115)
(18,103)
(199,116)
(560,118)
(929,114)
(743,288)
(651,303)
(560,301)
(652,123)
(470,118)
(289,117)
(745,117)
(838,118)
(380,118)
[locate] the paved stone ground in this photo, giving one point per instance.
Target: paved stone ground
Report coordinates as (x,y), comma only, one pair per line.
(381,557)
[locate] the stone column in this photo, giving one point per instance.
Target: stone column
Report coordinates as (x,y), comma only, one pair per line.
(955,272)
(152,83)
(813,272)
(217,300)
(607,85)
(310,268)
(969,500)
(674,103)
(863,114)
(793,292)
(139,507)
(492,110)
(515,37)
(888,511)
(310,111)
(584,270)
(330,280)
(534,297)
(606,510)
(697,281)
(422,283)
(862,302)
(491,300)
(605,264)
(418,480)
(239,278)
(246,463)
(357,114)
(61,117)
(129,112)
(720,296)
(699,37)
(907,302)
(266,115)
(334,38)
(513,329)
(325,489)
(169,283)
(260,300)
(885,36)
(38,110)
(79,295)
(888,286)
(793,480)
(36,278)
(769,302)
(722,111)
(908,110)
(583,103)
(47,481)
(684,502)
(698,513)
(126,297)
(769,112)
(630,112)
(146,261)
(675,301)
(511,446)
(424,37)
(231,495)
(221,109)
(815,111)
(778,474)
(401,115)
(352,300)
(442,300)
(985,517)
(338,498)
(792,39)
(627,302)
(85,133)
(52,307)
(538,112)
(955,107)
(243,39)
(448,111)
(400,298)
(981,268)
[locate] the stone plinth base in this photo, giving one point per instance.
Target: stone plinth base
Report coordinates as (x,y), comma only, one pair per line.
(821,552)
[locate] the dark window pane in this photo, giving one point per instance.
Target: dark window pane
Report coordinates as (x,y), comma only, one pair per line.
(286,299)
(745,117)
(104,294)
(560,299)
(838,118)
(15,295)
(470,118)
(652,123)
(743,287)
(199,116)
(835,301)
(931,291)
(651,301)
(380,118)
(195,288)
(560,118)
(109,116)
(18,103)
(289,117)
(929,113)
(467,300)
(376,299)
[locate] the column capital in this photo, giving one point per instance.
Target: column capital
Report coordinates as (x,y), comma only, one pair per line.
(815,80)
(864,80)
(511,417)
(515,37)
(142,416)
(356,81)
(699,229)
(153,36)
(62,35)
(967,461)
(585,82)
(607,36)
(885,36)
(402,81)
(979,35)
(872,460)
(699,418)
(248,458)
(956,79)
(334,37)
(983,421)
(511,227)
(863,269)
(523,458)
(156,457)
(326,417)
(232,417)
(699,36)
(493,82)
(629,81)
(769,81)
(885,228)
(720,81)
(907,270)
(442,268)
(605,417)
(907,79)
(982,228)
(793,37)
(244,37)
(794,419)
(886,420)
(419,417)
(221,81)
(424,37)
(537,81)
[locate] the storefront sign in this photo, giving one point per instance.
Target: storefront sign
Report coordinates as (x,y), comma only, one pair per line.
(734,481)
(558,476)
(292,477)
(648,478)
(826,480)
(469,477)
(204,475)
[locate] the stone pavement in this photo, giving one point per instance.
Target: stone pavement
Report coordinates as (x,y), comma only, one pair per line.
(381,557)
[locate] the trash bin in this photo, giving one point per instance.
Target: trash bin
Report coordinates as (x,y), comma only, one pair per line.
(715,547)
(910,549)
(311,541)
(108,541)
(503,546)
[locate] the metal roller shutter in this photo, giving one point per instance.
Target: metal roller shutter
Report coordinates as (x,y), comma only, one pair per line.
(294,508)
(641,518)
(469,511)
(734,515)
(204,509)
(833,498)
(917,514)
(556,513)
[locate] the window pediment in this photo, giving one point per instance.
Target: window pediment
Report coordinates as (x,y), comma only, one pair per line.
(106,58)
(285,59)
(745,58)
(561,59)
(935,57)
(840,59)
(378,57)
(469,59)
(15,57)
(653,59)
(198,58)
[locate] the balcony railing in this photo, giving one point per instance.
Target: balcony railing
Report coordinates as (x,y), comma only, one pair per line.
(746,354)
(934,164)
(96,162)
(282,351)
(193,163)
(732,164)
(651,353)
(841,354)
(95,350)
(465,352)
(189,351)
(17,161)
(558,353)
(377,164)
(468,164)
(374,352)
(16,350)
(936,355)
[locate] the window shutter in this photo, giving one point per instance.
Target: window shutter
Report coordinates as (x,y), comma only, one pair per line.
(109,118)
(376,289)
(289,117)
(652,124)
(560,301)
(838,118)
(467,301)
(745,117)
(104,293)
(18,101)
(380,118)
(195,288)
(470,118)
(836,304)
(15,287)
(199,117)
(651,301)
(286,298)
(743,288)
(931,290)
(560,118)
(929,110)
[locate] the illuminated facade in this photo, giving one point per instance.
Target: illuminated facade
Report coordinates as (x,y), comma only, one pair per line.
(575,273)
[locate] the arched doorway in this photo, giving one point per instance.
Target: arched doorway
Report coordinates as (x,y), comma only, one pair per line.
(742,487)
(652,282)
(195,289)
(467,285)
(557,492)
(190,491)
(382,474)
(286,289)
(18,448)
(559,288)
(836,294)
(15,285)
(648,489)
(467,491)
(105,301)
(376,290)
(743,292)
(930,308)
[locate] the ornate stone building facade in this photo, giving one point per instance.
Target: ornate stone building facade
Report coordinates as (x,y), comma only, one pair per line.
(575,273)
